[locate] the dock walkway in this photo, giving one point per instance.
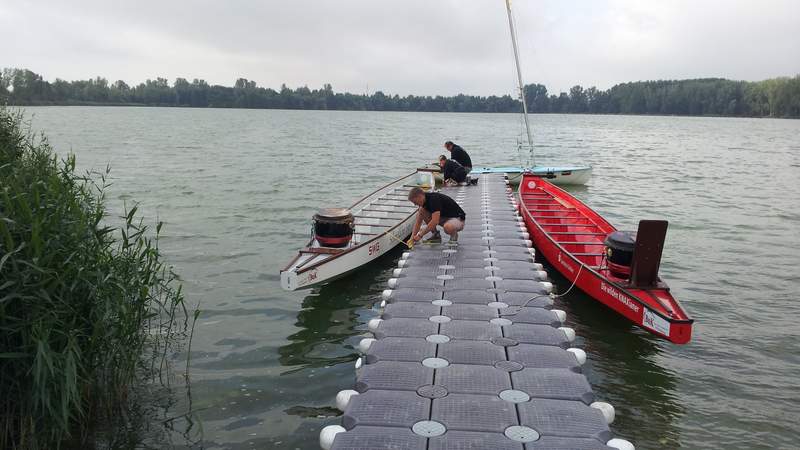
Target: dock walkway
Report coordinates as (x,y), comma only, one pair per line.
(469,353)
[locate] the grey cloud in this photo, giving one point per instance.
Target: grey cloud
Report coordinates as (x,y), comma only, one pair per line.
(413,46)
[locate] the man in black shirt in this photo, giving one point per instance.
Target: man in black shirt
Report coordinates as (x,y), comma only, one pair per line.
(458,153)
(436,209)
(452,171)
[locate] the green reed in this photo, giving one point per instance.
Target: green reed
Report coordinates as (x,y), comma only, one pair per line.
(86,308)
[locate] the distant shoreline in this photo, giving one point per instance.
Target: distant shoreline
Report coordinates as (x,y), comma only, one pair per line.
(141,105)
(706,97)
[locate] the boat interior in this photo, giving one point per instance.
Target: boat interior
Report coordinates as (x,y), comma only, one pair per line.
(373,215)
(581,232)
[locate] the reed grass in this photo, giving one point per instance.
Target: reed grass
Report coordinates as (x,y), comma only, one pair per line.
(86,308)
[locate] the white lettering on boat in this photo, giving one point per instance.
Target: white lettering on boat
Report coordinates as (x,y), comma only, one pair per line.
(565,264)
(619,296)
(655,322)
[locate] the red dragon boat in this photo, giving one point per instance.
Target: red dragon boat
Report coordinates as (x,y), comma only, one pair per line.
(619,269)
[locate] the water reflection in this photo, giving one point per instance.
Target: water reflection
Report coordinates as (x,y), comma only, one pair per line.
(625,369)
(330,323)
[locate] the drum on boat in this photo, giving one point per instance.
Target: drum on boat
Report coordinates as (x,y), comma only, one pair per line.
(333,227)
(619,252)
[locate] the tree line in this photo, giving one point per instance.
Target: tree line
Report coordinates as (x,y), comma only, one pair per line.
(776,97)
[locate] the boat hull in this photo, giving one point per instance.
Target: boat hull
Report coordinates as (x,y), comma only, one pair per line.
(607,292)
(613,294)
(560,176)
(383,219)
(345,263)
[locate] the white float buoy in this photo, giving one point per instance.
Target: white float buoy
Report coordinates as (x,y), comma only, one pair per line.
(569,332)
(386,294)
(401,263)
(541,274)
(620,444)
(525,235)
(383,303)
(396,272)
(328,434)
(580,355)
(606,409)
(548,286)
(343,398)
(560,315)
(365,344)
(359,363)
(405,255)
(392,282)
(373,324)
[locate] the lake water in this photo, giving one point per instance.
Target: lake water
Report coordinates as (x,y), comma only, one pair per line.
(237,188)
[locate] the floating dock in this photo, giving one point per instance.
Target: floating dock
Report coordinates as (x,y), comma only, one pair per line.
(468,353)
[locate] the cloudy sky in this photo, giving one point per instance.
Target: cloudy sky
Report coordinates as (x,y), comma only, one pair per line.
(402,46)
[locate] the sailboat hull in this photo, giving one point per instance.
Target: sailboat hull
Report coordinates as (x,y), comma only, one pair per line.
(560,176)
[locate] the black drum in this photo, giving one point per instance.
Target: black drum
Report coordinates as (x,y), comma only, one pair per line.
(333,227)
(619,252)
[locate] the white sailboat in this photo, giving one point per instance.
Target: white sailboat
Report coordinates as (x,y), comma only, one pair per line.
(561,175)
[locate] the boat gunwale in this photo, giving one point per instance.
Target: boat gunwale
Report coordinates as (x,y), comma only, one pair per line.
(400,221)
(597,274)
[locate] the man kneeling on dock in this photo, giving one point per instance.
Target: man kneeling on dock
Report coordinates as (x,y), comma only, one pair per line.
(436,209)
(452,172)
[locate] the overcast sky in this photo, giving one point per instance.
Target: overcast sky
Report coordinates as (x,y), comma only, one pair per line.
(402,46)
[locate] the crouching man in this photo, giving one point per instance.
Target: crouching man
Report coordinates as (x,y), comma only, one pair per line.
(436,209)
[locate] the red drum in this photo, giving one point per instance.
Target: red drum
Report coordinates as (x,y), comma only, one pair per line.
(619,252)
(333,227)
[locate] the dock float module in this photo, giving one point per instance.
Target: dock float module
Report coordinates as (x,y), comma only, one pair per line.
(468,352)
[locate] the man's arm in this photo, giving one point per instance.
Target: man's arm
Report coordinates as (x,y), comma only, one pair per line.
(447,172)
(431,227)
(418,223)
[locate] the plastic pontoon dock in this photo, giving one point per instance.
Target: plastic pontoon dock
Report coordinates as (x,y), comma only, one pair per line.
(468,353)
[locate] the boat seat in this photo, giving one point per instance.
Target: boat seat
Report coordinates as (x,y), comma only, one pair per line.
(361,224)
(559,217)
(322,250)
(581,233)
(384,211)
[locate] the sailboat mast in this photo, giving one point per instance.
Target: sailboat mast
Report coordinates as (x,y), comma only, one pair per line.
(519,79)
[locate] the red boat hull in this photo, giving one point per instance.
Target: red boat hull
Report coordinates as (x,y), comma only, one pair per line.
(544,207)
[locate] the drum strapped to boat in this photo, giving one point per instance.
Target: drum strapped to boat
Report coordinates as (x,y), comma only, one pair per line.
(619,252)
(333,227)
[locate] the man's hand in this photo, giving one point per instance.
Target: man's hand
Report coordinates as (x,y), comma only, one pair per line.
(416,237)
